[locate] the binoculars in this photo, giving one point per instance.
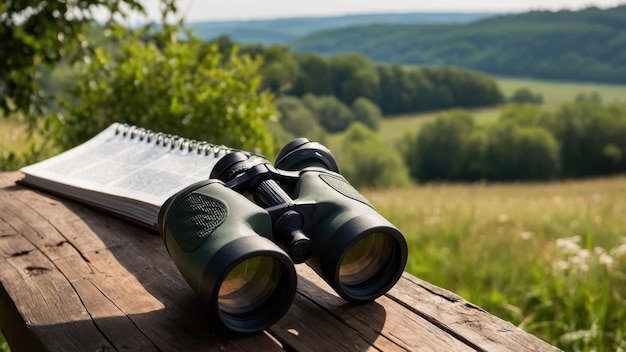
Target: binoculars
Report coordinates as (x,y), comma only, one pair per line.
(236,236)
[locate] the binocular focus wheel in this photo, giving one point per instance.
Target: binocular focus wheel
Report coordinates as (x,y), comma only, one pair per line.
(229,166)
(291,146)
(301,153)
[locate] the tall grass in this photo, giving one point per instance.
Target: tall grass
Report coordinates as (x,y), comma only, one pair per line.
(549,257)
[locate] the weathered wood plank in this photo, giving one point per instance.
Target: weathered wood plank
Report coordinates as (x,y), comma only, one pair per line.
(463,319)
(386,325)
(41,293)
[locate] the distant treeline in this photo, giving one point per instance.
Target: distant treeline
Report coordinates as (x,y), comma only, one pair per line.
(587,45)
(395,89)
(579,139)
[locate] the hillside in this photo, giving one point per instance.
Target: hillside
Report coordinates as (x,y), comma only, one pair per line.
(587,45)
(284,30)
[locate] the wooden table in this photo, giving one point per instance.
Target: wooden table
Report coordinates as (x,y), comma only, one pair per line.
(73,279)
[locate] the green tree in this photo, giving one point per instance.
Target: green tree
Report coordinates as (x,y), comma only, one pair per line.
(593,97)
(521,153)
(592,138)
(525,95)
(315,76)
(438,151)
(367,113)
(521,114)
(296,118)
(331,113)
(348,71)
(165,84)
(366,161)
(280,69)
(36,33)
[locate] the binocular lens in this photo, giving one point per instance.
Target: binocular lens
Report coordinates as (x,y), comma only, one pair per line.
(366,259)
(249,285)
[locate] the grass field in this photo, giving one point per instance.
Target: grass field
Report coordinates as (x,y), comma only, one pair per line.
(551,258)
(556,93)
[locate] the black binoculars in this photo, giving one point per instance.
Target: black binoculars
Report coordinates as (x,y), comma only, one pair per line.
(236,236)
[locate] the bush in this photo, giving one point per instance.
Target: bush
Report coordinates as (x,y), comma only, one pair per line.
(521,153)
(438,151)
(331,113)
(178,87)
(296,118)
(592,138)
(367,113)
(520,114)
(366,161)
(524,95)
(454,148)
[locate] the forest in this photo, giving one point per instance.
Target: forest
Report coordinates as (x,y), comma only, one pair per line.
(585,45)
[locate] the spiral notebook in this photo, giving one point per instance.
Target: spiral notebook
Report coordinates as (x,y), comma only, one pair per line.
(126,170)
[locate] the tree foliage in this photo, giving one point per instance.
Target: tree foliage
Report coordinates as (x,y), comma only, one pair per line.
(394,88)
(367,113)
(42,33)
(366,161)
(520,153)
(525,95)
(526,143)
(165,84)
(297,119)
(438,151)
(592,138)
(331,113)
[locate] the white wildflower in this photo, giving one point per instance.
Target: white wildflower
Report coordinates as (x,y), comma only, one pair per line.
(568,245)
(605,259)
(526,235)
(619,252)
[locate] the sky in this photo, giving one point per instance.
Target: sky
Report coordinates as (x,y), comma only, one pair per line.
(199,10)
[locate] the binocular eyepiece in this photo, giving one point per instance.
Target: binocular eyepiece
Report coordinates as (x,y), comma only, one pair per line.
(235,237)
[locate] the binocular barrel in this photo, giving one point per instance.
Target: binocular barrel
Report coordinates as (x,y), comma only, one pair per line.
(224,234)
(222,244)
(355,249)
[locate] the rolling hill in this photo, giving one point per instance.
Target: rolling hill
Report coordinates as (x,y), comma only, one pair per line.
(284,30)
(586,45)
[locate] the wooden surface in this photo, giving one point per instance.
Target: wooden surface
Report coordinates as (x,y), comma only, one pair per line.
(76,280)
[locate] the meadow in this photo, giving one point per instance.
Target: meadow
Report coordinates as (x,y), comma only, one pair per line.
(549,257)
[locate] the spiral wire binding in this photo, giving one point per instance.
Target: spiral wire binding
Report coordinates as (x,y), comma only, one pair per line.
(172,141)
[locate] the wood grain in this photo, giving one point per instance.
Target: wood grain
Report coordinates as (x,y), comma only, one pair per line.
(73,279)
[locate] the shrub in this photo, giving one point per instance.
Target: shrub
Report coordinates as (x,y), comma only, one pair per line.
(525,95)
(331,113)
(521,153)
(366,161)
(592,138)
(296,118)
(367,113)
(178,87)
(438,151)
